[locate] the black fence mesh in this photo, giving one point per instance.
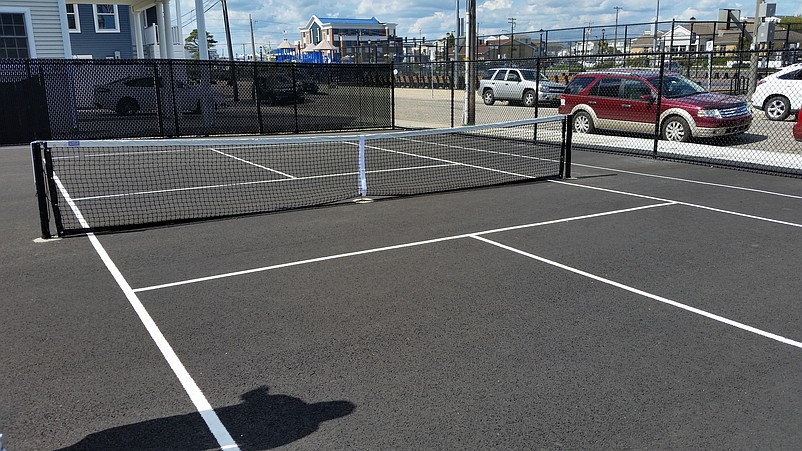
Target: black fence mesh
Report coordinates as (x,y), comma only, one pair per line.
(744,119)
(109,99)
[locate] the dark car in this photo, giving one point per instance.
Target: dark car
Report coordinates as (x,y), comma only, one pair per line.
(277,90)
(626,100)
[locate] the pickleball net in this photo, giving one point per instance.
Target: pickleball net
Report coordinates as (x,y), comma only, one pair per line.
(109,185)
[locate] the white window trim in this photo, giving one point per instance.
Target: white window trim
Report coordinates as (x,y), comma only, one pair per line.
(116,20)
(26,14)
(77,28)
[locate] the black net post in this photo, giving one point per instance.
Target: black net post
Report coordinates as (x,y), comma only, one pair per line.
(51,185)
(41,189)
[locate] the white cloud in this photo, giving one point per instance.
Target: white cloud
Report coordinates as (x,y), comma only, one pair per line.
(496,4)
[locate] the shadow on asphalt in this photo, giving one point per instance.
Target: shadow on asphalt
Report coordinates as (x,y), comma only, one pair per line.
(261,421)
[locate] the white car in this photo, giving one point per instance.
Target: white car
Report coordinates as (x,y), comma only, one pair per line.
(518,85)
(780,94)
(137,94)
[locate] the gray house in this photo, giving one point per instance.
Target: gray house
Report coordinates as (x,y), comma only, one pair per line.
(33,29)
(100,31)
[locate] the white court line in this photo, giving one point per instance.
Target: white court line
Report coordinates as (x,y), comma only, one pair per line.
(253,164)
(698,182)
(687,204)
(195,394)
(388,248)
(655,297)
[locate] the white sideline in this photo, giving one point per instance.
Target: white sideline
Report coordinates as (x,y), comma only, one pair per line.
(197,397)
(655,297)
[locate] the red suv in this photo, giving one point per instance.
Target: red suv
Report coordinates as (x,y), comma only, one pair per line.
(626,100)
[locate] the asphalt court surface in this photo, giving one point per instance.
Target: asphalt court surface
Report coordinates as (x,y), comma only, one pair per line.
(641,304)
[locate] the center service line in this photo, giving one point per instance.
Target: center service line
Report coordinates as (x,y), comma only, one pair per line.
(202,405)
(655,297)
(393,247)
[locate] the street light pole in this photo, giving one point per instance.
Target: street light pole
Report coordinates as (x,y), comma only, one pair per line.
(656,19)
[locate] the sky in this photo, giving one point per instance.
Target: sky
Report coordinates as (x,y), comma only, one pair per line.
(274,20)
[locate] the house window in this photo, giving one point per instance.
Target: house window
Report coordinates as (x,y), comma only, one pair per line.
(106,19)
(13,40)
(73,23)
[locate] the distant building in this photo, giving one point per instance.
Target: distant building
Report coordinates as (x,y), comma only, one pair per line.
(355,40)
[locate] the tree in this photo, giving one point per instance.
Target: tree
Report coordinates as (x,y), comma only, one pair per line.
(191,43)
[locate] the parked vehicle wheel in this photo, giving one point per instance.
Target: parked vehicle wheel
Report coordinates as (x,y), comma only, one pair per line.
(530,98)
(488,97)
(127,106)
(777,108)
(583,123)
(676,129)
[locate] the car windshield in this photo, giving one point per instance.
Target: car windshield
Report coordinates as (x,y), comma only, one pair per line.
(532,75)
(677,86)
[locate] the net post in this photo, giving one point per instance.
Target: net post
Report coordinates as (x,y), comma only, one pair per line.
(41,190)
(568,136)
(363,181)
(51,184)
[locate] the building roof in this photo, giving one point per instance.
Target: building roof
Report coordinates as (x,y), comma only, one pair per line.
(285,44)
(342,20)
(325,45)
(345,22)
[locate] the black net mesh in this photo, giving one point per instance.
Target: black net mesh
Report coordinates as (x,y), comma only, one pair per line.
(110,185)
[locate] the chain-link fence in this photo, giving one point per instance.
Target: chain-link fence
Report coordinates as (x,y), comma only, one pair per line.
(99,99)
(726,108)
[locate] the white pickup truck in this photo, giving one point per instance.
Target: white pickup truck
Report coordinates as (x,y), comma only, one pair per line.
(518,85)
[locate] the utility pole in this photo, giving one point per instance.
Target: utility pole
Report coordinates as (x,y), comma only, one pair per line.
(615,43)
(511,21)
(457,33)
(253,45)
(233,67)
(654,38)
(753,56)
